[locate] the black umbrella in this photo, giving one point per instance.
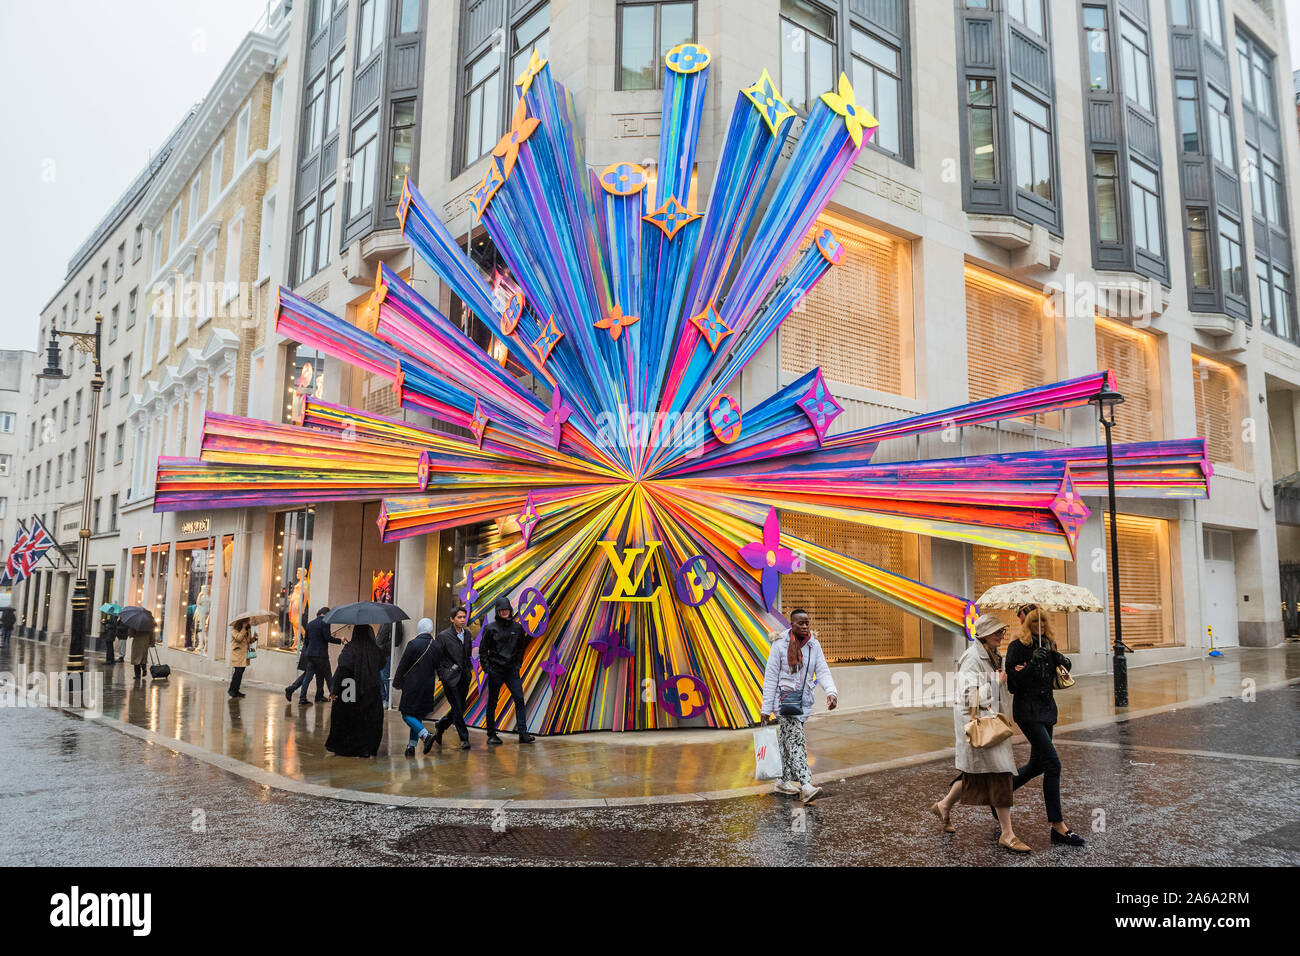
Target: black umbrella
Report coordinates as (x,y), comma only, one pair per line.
(137,618)
(366,612)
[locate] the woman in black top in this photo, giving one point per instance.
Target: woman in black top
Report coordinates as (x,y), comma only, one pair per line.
(1031,664)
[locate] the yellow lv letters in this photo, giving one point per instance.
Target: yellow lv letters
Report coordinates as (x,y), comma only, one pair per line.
(626,586)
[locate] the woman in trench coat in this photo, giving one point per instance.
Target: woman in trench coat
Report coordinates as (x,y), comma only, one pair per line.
(141,641)
(986,772)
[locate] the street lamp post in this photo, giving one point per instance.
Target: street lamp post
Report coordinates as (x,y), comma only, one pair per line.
(87,342)
(1106,400)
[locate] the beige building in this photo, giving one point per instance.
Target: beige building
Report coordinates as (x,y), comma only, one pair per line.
(209,216)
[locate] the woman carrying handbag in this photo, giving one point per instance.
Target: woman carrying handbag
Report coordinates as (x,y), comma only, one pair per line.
(788,693)
(1034,669)
(984,754)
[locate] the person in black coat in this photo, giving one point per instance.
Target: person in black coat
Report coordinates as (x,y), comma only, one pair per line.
(501,652)
(457,645)
(417,678)
(7,621)
(357,714)
(1031,662)
(108,631)
(315,659)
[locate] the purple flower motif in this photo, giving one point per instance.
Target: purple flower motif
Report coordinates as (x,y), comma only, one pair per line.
(770,558)
(467,594)
(552,665)
(556,416)
(610,649)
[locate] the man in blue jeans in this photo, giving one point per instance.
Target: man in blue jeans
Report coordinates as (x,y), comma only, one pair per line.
(316,660)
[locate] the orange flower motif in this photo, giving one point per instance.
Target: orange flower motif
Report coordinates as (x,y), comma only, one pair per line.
(507,148)
(616,322)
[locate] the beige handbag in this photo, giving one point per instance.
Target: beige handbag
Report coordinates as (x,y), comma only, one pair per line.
(986,731)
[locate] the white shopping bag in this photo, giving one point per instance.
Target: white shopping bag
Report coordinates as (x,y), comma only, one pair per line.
(767,754)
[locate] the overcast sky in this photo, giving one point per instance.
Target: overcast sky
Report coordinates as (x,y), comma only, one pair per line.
(89,95)
(91,89)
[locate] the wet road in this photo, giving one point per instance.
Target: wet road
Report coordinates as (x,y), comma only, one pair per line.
(1211,785)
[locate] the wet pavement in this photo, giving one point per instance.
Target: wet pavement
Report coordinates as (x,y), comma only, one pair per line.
(1216,784)
(279,743)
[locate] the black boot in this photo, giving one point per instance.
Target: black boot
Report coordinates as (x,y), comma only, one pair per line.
(493,740)
(526,738)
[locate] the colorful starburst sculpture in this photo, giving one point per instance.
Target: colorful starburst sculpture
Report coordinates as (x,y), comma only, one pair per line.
(633,508)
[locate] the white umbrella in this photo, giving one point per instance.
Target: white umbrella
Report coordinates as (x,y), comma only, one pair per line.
(1048,595)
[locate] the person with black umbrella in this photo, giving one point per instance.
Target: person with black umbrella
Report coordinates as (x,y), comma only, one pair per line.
(357,714)
(502,653)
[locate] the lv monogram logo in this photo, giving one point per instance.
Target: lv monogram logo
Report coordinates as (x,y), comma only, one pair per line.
(624,562)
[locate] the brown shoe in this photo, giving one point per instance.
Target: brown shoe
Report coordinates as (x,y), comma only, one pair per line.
(1016,845)
(943,818)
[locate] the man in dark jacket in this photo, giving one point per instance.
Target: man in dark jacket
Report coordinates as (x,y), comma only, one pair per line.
(316,660)
(7,620)
(457,645)
(501,652)
(423,664)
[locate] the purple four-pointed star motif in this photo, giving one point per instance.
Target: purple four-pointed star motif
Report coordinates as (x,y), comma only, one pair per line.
(528,519)
(467,594)
(610,649)
(820,406)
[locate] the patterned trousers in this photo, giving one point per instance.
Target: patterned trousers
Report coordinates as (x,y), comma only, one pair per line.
(794,755)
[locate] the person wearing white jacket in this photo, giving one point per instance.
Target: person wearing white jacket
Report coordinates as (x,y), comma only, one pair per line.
(795,665)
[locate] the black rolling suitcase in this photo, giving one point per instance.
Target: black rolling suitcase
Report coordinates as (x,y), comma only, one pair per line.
(156,670)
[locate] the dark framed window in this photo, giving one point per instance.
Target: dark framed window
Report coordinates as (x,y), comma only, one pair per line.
(982,117)
(1230,255)
(645,32)
(1211,14)
(1243,69)
(482,96)
(1264,288)
(532,32)
(1097,35)
(1220,131)
(1106,186)
(401,146)
(1189,115)
(1136,62)
(1271,186)
(408,17)
(1144,200)
(334,93)
(305,241)
(1282,303)
(808,66)
(370,28)
(325,226)
(878,85)
(1028,13)
(1251,172)
(137,250)
(313,113)
(1261,68)
(1181,12)
(365,145)
(1032,129)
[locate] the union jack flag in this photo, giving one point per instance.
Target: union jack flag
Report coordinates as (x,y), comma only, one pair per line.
(39,541)
(13,561)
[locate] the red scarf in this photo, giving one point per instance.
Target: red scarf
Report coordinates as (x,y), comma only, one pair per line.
(794,652)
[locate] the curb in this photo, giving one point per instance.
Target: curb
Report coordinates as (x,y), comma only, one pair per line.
(288,784)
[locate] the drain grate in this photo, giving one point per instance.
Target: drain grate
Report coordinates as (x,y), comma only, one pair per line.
(541,843)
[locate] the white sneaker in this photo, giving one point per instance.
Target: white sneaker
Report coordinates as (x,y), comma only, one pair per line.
(788,787)
(809,793)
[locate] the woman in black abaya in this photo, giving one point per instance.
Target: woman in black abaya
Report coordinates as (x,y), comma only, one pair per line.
(357,716)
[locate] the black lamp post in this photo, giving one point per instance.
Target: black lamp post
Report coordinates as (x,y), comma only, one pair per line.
(87,342)
(1106,400)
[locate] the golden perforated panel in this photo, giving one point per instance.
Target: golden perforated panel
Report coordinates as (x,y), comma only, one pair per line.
(856,323)
(993,566)
(1145,589)
(1010,338)
(1133,357)
(1218,410)
(849,626)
